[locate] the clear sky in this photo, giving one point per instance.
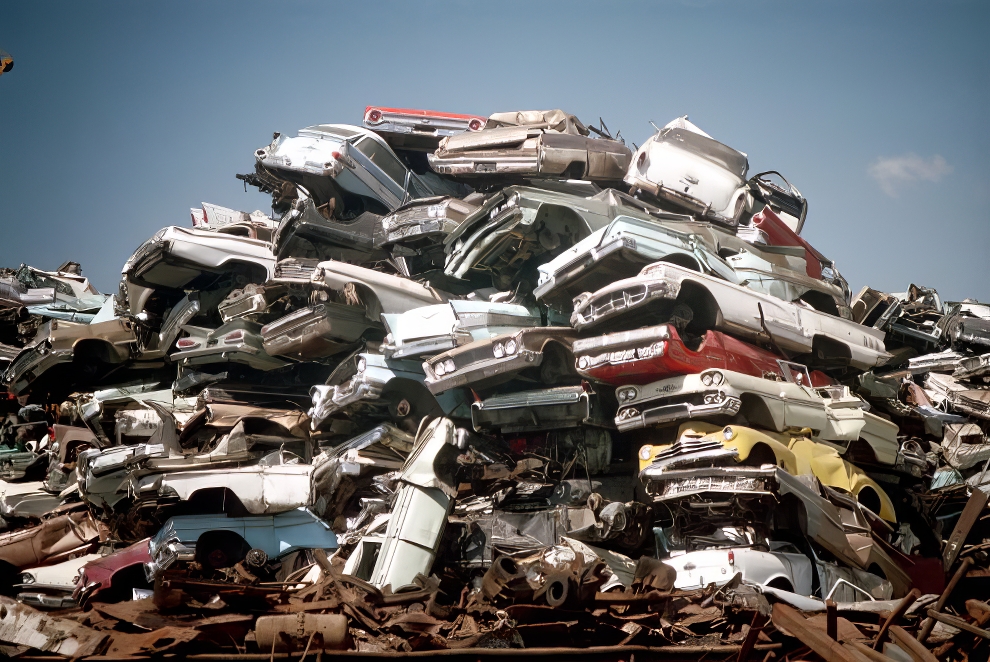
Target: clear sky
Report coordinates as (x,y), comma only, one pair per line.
(119,116)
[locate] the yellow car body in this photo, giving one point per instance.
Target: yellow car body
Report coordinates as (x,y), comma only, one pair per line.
(796,453)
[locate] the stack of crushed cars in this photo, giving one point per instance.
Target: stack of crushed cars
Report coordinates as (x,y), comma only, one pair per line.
(494,383)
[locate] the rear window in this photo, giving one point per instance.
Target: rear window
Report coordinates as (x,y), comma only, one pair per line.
(383,157)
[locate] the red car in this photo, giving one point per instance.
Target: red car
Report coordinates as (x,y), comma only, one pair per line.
(657,352)
(407,128)
(125,567)
(778,234)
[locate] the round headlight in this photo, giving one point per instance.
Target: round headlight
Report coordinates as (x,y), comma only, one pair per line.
(439,369)
(716,378)
(583,362)
(449,365)
(646,452)
(728,433)
(498,350)
(706,379)
(626,394)
(511,346)
(362,364)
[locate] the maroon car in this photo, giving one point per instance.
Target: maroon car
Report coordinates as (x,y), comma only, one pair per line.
(123,570)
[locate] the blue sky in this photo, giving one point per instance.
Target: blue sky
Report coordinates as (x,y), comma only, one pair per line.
(118,117)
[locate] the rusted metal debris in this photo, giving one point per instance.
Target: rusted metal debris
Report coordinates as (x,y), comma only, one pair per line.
(489,388)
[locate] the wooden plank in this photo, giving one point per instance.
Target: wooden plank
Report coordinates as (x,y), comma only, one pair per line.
(867,652)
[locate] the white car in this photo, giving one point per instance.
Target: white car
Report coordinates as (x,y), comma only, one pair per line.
(357,160)
(685,166)
(175,257)
(782,567)
(705,302)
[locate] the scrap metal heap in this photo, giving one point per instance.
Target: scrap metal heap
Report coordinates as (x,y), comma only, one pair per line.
(479,384)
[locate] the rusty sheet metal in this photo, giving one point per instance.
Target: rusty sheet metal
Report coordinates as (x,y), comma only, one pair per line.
(23,626)
(156,641)
(71,531)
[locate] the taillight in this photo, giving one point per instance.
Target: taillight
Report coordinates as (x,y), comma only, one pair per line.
(186,343)
(335,155)
(233,336)
(732,557)
(476,125)
(373,116)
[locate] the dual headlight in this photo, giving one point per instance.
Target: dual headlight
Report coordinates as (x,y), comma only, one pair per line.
(712,378)
(507,348)
(441,368)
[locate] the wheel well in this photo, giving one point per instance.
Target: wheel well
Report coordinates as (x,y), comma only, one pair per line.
(706,313)
(557,365)
(220,549)
(95,349)
(422,402)
(8,577)
(756,411)
(781,583)
(869,498)
(682,260)
(216,500)
(759,455)
(828,352)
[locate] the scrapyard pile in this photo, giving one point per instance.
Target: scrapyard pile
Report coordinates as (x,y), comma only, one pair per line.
(486,384)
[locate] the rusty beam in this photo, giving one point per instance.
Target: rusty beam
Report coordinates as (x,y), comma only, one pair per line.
(977,502)
(957,622)
(899,611)
(755,627)
(929,624)
(831,620)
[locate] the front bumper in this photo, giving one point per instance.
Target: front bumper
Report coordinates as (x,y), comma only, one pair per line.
(635,416)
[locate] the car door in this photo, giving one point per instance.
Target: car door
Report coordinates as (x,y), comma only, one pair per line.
(379,169)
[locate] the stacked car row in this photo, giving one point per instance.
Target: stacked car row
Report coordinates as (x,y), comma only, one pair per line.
(492,358)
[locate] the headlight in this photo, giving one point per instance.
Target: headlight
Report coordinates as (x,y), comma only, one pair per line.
(27,578)
(626,394)
(511,346)
(362,364)
(716,378)
(583,362)
(449,365)
(728,433)
(646,452)
(498,350)
(706,379)
(439,369)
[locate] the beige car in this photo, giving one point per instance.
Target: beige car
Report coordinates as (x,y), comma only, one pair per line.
(111,342)
(533,143)
(65,532)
